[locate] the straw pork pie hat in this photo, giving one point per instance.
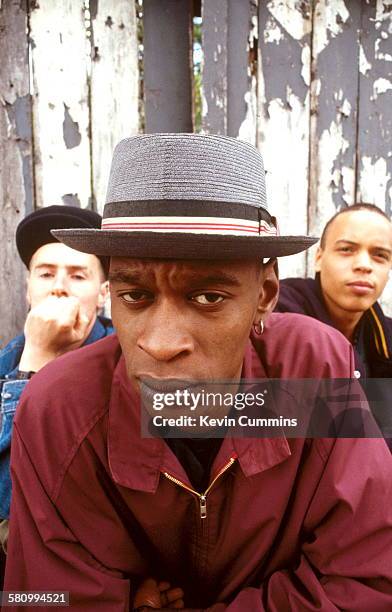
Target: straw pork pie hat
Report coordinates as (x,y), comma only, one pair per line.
(185,196)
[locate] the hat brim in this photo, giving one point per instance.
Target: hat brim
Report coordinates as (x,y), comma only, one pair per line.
(175,245)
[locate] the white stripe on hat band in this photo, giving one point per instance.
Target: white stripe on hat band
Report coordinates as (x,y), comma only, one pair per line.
(193,225)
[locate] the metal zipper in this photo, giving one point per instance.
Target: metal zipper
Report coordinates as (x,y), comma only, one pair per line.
(202,496)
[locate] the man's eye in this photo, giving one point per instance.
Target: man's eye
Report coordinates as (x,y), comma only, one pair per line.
(208,298)
(382,255)
(78,277)
(46,275)
(345,249)
(132,297)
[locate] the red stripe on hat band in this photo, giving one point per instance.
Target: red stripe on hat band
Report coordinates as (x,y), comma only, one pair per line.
(189,225)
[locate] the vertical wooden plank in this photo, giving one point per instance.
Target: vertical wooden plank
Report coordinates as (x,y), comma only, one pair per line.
(167,66)
(241,73)
(114,84)
(215,16)
(229,86)
(60,103)
(375,113)
(375,104)
(16,184)
(283,113)
(333,111)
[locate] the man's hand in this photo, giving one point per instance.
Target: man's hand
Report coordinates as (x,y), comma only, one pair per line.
(56,325)
(153,594)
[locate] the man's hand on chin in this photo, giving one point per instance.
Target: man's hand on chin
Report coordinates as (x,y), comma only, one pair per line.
(157,595)
(53,327)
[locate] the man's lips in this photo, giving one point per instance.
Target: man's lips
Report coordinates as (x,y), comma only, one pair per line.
(360,287)
(165,385)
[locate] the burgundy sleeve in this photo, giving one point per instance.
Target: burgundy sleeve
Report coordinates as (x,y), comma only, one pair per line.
(346,557)
(44,555)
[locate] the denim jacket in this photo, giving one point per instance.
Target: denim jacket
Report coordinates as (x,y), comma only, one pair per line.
(11,390)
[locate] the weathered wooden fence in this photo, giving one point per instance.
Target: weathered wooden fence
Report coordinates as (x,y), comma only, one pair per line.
(310,83)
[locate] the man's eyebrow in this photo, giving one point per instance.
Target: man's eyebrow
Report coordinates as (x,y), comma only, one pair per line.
(346,241)
(375,246)
(219,278)
(125,276)
(52,266)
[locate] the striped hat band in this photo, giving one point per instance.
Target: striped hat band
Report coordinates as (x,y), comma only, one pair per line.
(190,216)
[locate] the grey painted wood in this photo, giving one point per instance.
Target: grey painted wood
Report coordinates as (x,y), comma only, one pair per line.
(61,115)
(114,86)
(16,181)
(239,67)
(318,107)
(167,66)
(335,61)
(375,106)
(283,116)
(215,15)
(374,175)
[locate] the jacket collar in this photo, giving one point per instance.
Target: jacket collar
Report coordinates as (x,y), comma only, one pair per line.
(136,462)
(102,327)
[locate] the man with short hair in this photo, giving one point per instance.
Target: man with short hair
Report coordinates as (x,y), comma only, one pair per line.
(236,524)
(66,291)
(352,267)
(353,262)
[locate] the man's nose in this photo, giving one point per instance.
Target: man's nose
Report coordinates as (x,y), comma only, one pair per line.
(166,335)
(60,285)
(363,261)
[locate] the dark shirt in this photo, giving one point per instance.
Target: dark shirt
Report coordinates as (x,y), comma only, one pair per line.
(373,332)
(196,456)
(372,342)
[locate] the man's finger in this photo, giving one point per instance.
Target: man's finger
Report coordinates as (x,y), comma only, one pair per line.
(178,604)
(163,585)
(173,594)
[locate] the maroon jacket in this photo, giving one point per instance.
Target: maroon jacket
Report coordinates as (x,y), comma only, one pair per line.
(292,525)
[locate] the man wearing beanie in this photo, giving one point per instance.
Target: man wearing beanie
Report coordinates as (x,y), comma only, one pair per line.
(66,289)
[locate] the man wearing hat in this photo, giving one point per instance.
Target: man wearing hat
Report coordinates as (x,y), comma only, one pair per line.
(236,524)
(66,289)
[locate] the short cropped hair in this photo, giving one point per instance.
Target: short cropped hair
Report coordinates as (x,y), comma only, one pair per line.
(359,206)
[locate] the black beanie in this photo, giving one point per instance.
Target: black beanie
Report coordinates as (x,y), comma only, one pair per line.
(34,230)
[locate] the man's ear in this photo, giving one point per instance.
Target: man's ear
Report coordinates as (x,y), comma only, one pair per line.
(103,295)
(317,259)
(269,289)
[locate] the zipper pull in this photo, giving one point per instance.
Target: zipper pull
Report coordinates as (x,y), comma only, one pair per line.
(203,507)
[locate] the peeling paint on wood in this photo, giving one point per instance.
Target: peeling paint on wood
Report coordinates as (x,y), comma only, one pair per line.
(319,104)
(364,65)
(375,180)
(248,128)
(214,38)
(375,103)
(283,115)
(60,102)
(332,14)
(333,111)
(114,86)
(16,181)
(241,77)
(293,16)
